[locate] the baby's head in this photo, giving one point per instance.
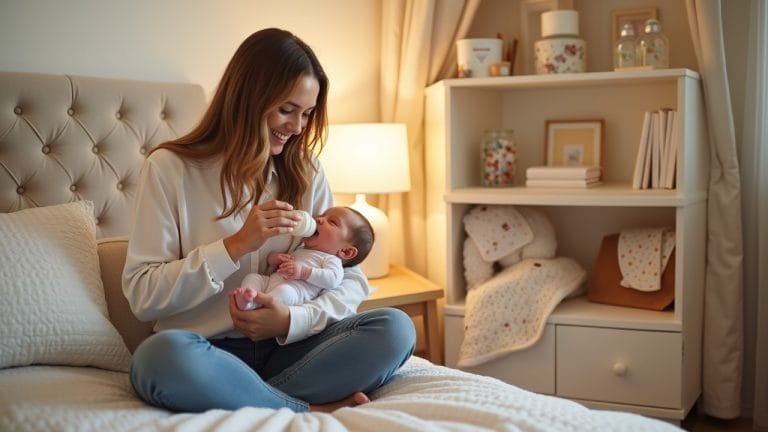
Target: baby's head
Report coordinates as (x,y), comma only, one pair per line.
(343,232)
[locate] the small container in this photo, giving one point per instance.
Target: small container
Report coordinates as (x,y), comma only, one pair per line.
(560,50)
(653,49)
(306,226)
(499,157)
(474,57)
(625,51)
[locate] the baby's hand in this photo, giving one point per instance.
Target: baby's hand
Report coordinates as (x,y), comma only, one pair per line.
(292,270)
(244,298)
(277,259)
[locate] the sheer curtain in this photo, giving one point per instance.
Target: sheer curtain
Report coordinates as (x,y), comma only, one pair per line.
(418,38)
(754,176)
(723,324)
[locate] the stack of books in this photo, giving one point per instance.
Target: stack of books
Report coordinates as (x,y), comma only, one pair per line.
(656,163)
(563,176)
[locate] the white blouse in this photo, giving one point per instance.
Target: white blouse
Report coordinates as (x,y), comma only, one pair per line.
(178,272)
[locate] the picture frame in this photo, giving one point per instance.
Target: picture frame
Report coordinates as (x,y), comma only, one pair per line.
(574,142)
(637,17)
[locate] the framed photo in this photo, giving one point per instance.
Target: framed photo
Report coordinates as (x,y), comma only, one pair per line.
(574,142)
(636,17)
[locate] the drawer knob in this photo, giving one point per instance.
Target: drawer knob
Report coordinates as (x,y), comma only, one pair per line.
(620,369)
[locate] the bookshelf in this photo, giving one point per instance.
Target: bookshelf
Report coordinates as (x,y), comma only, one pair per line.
(649,344)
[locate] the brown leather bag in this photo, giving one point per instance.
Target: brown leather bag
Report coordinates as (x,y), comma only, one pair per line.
(605,283)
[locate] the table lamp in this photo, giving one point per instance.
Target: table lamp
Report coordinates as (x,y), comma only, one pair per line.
(367,158)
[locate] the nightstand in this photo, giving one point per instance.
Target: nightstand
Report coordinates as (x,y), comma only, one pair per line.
(415,295)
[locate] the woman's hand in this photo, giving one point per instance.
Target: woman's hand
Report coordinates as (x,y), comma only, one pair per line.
(272,319)
(264,221)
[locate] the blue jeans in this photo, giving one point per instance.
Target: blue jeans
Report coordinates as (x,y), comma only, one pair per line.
(182,371)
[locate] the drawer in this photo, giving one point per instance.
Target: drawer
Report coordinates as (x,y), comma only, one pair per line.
(623,366)
(532,369)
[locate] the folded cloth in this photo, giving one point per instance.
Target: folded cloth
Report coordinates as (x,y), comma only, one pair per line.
(497,230)
(509,311)
(643,255)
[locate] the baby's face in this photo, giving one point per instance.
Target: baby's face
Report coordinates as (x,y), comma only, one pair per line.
(333,228)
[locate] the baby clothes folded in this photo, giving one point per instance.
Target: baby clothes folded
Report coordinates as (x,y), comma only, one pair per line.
(643,255)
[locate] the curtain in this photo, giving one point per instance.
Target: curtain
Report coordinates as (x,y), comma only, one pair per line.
(418,39)
(754,177)
(723,321)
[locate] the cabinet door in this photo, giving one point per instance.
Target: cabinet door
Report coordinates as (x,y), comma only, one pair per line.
(623,366)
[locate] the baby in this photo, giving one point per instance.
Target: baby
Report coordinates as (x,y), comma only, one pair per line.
(343,238)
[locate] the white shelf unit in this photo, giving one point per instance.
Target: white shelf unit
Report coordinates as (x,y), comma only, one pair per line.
(659,353)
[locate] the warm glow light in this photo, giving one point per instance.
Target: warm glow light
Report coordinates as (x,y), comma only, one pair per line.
(365,158)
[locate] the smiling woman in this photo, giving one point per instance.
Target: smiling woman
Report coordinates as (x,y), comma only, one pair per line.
(222,198)
(291,117)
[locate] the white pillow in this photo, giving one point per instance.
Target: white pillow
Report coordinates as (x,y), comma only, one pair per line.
(52,306)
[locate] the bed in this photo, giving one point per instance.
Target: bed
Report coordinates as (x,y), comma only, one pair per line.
(71,148)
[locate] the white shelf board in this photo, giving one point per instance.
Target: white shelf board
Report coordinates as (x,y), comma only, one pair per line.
(569,79)
(607,194)
(579,311)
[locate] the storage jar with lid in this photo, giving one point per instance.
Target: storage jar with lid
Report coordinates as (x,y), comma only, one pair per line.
(653,49)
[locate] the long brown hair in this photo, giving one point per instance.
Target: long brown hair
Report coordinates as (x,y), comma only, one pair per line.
(258,78)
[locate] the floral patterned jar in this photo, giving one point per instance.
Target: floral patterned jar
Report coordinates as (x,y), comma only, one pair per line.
(560,50)
(498,157)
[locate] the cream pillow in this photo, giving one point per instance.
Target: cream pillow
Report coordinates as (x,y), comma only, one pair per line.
(52,306)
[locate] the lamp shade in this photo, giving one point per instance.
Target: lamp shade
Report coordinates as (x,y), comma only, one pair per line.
(367,158)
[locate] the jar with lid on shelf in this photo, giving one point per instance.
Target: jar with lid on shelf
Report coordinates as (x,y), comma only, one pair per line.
(498,157)
(560,50)
(625,51)
(653,48)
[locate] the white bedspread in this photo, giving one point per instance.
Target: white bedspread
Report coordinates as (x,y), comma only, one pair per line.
(422,397)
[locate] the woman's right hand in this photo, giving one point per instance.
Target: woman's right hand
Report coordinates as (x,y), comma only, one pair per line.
(264,221)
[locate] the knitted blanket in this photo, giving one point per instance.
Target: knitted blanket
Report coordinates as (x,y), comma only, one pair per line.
(509,311)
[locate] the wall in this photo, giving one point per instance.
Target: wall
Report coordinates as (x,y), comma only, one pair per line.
(192,40)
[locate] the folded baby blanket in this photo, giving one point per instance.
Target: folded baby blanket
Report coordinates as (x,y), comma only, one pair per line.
(509,311)
(643,255)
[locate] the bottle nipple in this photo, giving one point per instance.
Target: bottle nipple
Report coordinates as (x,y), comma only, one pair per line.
(306,226)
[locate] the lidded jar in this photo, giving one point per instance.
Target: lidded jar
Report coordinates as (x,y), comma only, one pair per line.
(306,226)
(625,51)
(560,50)
(653,49)
(498,157)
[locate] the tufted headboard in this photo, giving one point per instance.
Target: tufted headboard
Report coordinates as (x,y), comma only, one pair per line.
(65,138)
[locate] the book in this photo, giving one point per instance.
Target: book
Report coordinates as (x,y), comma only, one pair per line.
(637,178)
(670,162)
(659,119)
(563,172)
(646,180)
(656,160)
(562,183)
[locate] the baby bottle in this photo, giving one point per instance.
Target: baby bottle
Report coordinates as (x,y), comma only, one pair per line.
(306,226)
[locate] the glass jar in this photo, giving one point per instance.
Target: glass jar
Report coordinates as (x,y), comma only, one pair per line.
(653,49)
(498,157)
(625,51)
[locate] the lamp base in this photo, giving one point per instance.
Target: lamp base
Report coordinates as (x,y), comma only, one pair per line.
(376,265)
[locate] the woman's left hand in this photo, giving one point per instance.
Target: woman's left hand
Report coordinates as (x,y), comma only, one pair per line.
(272,319)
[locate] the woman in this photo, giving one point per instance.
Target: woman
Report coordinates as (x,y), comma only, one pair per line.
(210,207)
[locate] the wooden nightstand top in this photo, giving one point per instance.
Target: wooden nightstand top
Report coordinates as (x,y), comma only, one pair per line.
(400,287)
